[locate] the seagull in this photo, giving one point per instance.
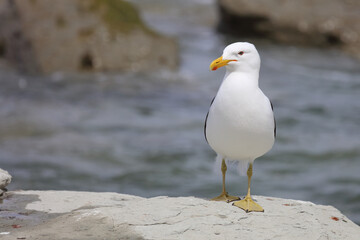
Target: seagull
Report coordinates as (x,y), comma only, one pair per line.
(240,124)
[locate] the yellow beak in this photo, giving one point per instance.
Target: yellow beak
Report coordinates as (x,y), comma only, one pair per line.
(218,63)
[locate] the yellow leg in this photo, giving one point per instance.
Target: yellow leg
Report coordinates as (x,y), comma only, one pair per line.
(224,196)
(247,203)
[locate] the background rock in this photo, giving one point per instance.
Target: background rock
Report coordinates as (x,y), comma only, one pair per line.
(76,215)
(320,23)
(81,35)
(5,179)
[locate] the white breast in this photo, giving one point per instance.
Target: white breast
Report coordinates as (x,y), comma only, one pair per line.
(240,124)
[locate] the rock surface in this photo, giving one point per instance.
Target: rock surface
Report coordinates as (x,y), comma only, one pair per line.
(86,215)
(81,35)
(5,179)
(322,22)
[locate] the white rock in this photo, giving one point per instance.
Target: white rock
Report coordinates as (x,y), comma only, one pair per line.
(86,215)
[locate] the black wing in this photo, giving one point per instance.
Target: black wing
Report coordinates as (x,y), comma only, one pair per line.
(272,107)
(207,118)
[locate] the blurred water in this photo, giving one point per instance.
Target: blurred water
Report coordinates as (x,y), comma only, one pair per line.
(143,133)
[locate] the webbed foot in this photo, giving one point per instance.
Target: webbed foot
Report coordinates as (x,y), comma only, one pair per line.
(225,197)
(248,205)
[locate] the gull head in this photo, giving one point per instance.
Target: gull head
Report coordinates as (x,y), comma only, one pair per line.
(239,56)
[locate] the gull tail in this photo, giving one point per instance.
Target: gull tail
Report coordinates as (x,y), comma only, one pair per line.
(218,161)
(243,167)
(217,165)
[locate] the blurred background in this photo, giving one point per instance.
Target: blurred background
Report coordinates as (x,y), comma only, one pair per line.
(112,96)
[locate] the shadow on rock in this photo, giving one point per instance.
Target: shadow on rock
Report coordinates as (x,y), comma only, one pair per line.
(18,222)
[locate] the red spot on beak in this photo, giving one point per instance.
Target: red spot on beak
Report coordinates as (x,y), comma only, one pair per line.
(214,68)
(335,218)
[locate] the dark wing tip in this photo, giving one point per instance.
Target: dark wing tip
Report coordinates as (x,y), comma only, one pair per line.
(205,126)
(207,115)
(272,108)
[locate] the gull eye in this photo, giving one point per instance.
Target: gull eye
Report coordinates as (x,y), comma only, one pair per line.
(241,52)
